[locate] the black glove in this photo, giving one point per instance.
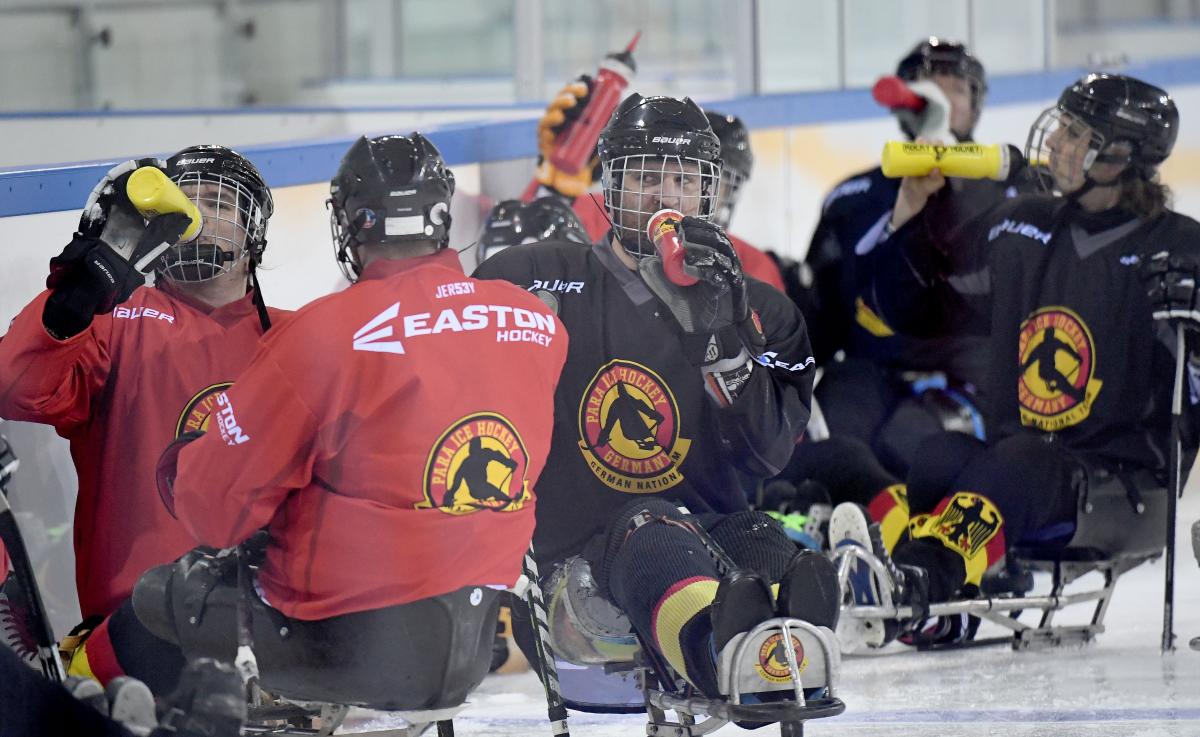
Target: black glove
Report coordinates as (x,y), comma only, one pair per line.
(1170,278)
(109,255)
(714,313)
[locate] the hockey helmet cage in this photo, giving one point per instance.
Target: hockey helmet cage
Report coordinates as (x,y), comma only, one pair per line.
(941,56)
(1116,108)
(737,161)
(389,190)
(236,204)
(645,138)
(513,223)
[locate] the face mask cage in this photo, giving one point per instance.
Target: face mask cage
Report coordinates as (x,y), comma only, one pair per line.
(636,187)
(730,191)
(1061,142)
(233,228)
(343,233)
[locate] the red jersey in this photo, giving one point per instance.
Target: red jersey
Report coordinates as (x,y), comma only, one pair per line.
(591,212)
(120,391)
(389,435)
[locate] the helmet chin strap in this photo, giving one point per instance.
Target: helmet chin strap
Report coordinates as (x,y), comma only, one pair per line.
(1089,184)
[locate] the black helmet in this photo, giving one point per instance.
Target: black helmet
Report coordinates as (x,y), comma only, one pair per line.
(391,189)
(232,183)
(940,56)
(737,160)
(1122,108)
(512,223)
(1116,108)
(644,136)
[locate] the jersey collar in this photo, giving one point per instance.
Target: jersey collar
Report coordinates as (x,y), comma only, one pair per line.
(385,267)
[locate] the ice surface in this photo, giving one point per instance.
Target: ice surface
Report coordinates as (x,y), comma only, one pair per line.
(1119,685)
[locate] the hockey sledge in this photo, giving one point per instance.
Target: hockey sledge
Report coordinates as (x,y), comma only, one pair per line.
(603,667)
(1119,525)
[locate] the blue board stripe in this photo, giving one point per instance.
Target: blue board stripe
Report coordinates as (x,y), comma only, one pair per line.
(30,190)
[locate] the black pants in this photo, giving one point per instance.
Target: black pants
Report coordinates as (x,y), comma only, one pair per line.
(32,705)
(863,401)
(426,654)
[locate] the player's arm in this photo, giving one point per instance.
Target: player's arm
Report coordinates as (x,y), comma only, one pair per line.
(55,357)
(257,451)
(762,423)
(823,302)
(723,320)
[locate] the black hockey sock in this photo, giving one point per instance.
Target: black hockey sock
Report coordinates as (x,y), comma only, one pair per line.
(755,542)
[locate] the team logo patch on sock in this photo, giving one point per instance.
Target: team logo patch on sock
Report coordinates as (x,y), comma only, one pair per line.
(890,509)
(971,525)
(772,659)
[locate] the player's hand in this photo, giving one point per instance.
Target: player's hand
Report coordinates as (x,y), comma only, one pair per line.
(1170,278)
(91,278)
(915,192)
(716,306)
(108,213)
(561,114)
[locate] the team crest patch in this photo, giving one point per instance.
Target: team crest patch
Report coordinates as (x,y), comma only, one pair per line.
(772,659)
(629,429)
(199,408)
(478,463)
(1057,385)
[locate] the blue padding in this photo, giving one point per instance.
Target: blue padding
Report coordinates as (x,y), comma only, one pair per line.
(1060,532)
(30,190)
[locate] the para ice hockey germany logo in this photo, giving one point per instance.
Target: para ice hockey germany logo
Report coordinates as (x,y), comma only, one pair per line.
(772,662)
(629,429)
(478,463)
(1057,385)
(199,408)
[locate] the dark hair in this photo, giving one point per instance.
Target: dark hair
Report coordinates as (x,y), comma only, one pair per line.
(1145,196)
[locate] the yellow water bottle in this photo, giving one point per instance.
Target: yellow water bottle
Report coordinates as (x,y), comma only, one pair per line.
(966,160)
(153,194)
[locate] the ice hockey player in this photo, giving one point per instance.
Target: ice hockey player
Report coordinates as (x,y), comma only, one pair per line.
(392,478)
(657,409)
(1084,293)
(512,223)
(867,396)
(737,162)
(120,369)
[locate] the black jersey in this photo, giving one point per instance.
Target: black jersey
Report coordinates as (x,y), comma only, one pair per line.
(853,215)
(1074,350)
(631,413)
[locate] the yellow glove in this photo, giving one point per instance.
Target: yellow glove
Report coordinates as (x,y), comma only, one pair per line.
(561,113)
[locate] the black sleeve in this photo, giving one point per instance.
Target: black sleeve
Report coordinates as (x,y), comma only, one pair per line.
(930,277)
(761,426)
(825,305)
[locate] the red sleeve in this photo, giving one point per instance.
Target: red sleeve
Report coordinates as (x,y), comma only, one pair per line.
(592,213)
(758,264)
(258,449)
(52,381)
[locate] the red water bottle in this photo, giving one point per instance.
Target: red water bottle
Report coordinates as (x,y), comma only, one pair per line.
(578,144)
(662,229)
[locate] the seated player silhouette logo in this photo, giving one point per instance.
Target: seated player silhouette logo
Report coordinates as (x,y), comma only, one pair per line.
(629,429)
(772,659)
(1057,384)
(199,409)
(477,464)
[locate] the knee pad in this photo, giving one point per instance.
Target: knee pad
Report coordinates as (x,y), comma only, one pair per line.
(152,602)
(628,519)
(755,542)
